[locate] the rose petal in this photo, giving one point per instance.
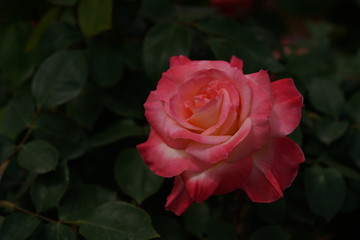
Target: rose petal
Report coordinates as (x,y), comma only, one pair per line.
(261,78)
(221,178)
(159,121)
(236,62)
(260,108)
(179,199)
(274,169)
(177,75)
(287,104)
(213,154)
(229,110)
(166,161)
(208,115)
(178,61)
(169,130)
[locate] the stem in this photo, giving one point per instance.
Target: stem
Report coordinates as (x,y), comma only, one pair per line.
(14,206)
(18,147)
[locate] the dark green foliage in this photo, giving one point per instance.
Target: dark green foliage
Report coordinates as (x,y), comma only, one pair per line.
(75,73)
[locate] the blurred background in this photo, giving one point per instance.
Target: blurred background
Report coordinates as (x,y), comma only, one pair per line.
(75,73)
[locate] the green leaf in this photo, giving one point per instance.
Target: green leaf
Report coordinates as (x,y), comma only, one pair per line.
(169,229)
(227,35)
(56,231)
(17,116)
(78,202)
(151,9)
(224,49)
(353,107)
(191,13)
(354,150)
(18,226)
(270,233)
(15,64)
(119,130)
(106,64)
(63,2)
(329,130)
(124,107)
(38,156)
(7,147)
(325,191)
(60,78)
(63,134)
(326,97)
(217,229)
(195,218)
(134,177)
(50,16)
(48,188)
(85,108)
(57,37)
(273,212)
(117,221)
(94,16)
(344,170)
(163,41)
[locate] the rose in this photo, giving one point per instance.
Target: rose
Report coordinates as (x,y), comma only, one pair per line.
(216,130)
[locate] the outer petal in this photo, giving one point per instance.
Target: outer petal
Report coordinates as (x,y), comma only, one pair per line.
(166,161)
(287,104)
(160,122)
(236,62)
(178,74)
(274,169)
(221,178)
(260,130)
(178,61)
(179,199)
(261,78)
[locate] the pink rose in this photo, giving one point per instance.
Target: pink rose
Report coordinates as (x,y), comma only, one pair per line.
(217,129)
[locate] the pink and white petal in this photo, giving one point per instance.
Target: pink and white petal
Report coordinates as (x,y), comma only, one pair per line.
(260,120)
(287,104)
(261,78)
(179,107)
(169,130)
(160,122)
(236,62)
(185,135)
(179,60)
(228,114)
(177,75)
(208,115)
(179,199)
(274,169)
(221,178)
(166,161)
(213,154)
(255,140)
(245,94)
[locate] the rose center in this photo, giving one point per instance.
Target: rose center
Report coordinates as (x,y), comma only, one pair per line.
(205,108)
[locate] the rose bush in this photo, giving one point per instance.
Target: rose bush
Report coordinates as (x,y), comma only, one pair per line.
(216,129)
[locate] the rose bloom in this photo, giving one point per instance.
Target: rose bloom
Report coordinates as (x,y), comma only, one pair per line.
(216,129)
